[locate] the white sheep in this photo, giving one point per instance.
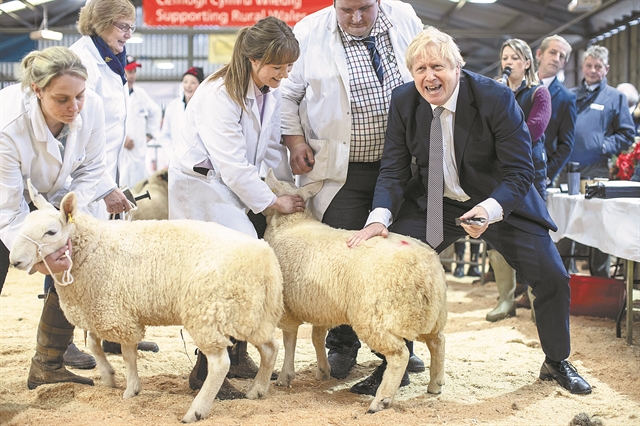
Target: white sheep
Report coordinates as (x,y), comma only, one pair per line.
(214,281)
(157,205)
(387,289)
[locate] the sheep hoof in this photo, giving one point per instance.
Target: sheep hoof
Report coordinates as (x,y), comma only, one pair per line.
(192,417)
(322,375)
(284,380)
(434,388)
(379,405)
(256,392)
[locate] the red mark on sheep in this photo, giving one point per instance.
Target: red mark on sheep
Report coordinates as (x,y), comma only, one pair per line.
(404,243)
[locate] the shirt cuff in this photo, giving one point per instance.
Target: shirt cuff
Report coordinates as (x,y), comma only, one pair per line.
(493,208)
(380,215)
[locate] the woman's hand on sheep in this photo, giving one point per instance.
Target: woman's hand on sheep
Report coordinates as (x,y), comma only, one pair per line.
(116,202)
(301,154)
(475,230)
(289,204)
(374,229)
(57,261)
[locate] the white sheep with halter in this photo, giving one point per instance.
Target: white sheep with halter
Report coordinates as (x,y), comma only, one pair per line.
(125,276)
(387,289)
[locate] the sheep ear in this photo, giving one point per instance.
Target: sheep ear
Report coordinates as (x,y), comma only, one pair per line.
(37,199)
(273,182)
(69,207)
(311,189)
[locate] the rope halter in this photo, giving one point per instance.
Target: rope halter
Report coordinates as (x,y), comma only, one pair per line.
(67,278)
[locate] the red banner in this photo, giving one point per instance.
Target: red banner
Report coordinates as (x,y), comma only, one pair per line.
(226,13)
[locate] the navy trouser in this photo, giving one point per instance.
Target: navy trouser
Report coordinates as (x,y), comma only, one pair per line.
(534,257)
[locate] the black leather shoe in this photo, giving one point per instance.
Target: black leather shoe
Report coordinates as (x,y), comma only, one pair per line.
(566,375)
(115,348)
(459,271)
(75,358)
(370,385)
(341,364)
(415,364)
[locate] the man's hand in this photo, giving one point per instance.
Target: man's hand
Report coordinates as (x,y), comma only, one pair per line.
(57,261)
(128,143)
(116,202)
(301,154)
(289,204)
(475,230)
(374,229)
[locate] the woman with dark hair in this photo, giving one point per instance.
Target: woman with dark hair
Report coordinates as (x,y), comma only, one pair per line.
(52,132)
(173,114)
(229,138)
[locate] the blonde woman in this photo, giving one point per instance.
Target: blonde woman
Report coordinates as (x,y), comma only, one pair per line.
(52,132)
(535,101)
(229,136)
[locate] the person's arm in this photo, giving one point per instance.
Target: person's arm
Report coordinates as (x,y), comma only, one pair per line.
(85,178)
(566,137)
(13,206)
(619,134)
(540,113)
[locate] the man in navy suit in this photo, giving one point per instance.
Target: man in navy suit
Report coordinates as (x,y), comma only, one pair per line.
(559,135)
(487,172)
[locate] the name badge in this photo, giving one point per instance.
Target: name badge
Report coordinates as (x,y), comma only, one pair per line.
(597,107)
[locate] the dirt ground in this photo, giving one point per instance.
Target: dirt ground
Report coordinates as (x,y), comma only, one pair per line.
(491,376)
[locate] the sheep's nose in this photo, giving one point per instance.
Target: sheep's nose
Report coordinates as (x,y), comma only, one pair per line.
(16,264)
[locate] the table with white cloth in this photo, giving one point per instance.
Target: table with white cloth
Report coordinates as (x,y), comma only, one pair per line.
(610,225)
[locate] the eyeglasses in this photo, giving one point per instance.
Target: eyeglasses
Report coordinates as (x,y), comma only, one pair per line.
(125,28)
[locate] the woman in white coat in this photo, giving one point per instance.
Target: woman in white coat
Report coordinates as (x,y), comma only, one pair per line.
(106,25)
(173,114)
(52,132)
(229,133)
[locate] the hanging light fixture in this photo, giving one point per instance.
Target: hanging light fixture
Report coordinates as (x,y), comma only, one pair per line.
(45,33)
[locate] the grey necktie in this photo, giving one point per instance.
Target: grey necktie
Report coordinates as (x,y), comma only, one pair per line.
(436,182)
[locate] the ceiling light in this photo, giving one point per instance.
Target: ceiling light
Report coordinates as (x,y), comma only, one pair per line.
(164,65)
(12,6)
(45,35)
(475,1)
(135,40)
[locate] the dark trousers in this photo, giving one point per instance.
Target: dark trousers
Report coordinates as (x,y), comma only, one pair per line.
(349,209)
(4,264)
(533,256)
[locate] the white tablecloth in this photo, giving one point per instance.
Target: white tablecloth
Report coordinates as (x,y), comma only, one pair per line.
(611,225)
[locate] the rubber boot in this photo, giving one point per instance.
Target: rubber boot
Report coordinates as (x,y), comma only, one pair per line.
(506,283)
(75,358)
(415,364)
(199,374)
(474,270)
(459,271)
(53,338)
(242,365)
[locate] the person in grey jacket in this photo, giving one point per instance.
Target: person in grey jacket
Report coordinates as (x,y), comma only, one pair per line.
(604,128)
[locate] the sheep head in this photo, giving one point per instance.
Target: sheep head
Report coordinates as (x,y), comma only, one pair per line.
(44,231)
(286,188)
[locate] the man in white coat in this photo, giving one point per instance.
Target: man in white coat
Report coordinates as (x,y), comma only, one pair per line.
(143,120)
(334,115)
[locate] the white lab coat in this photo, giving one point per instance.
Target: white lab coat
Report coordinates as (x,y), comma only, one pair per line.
(238,145)
(29,150)
(316,96)
(144,116)
(169,134)
(114,93)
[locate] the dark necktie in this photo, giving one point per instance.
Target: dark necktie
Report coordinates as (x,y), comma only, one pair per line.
(435,188)
(370,42)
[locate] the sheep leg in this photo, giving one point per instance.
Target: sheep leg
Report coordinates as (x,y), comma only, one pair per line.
(318,336)
(288,372)
(396,365)
(268,355)
(130,358)
(435,343)
(218,367)
(106,370)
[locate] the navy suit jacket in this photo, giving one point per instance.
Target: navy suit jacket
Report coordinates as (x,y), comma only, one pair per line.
(561,131)
(492,149)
